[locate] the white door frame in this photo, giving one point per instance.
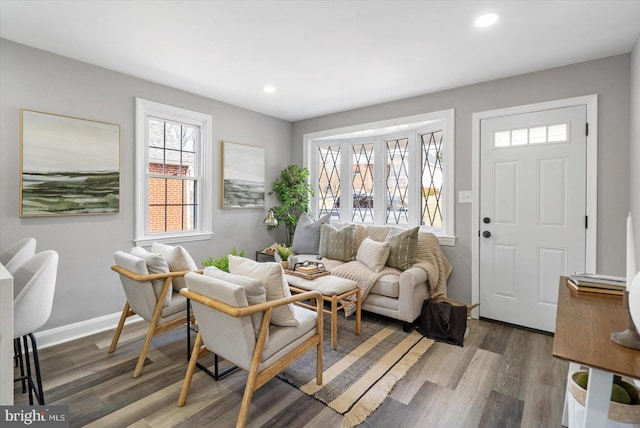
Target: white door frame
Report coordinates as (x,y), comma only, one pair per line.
(591,102)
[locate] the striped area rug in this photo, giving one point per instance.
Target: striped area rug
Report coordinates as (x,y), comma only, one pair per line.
(358,375)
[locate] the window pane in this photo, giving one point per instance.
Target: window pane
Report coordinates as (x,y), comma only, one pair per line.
(188,139)
(519,137)
(328,190)
(362,183)
(558,132)
(538,135)
(432,174)
(172,204)
(156,133)
(173,136)
(188,164)
(502,139)
(397,181)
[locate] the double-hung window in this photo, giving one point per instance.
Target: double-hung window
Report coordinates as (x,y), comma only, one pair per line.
(397,172)
(173,173)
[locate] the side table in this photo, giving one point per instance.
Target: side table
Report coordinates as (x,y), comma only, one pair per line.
(584,325)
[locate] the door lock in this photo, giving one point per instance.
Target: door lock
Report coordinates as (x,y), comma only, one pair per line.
(486,220)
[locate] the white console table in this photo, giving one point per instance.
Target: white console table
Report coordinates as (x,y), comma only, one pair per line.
(6,337)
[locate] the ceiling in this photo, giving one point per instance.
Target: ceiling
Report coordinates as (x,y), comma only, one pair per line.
(322,56)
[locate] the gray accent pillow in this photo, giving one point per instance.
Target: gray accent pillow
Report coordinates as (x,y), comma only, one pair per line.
(306,239)
(337,244)
(402,247)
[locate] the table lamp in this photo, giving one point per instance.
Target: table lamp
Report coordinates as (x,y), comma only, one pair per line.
(631,298)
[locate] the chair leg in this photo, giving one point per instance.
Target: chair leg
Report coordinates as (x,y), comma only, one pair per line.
(36,361)
(28,363)
(17,349)
(246,398)
(145,348)
(116,335)
(190,369)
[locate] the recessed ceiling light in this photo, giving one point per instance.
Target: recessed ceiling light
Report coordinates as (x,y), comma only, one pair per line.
(487,19)
(269,89)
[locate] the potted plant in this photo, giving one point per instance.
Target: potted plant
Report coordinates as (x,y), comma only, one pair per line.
(293,191)
(222,262)
(284,253)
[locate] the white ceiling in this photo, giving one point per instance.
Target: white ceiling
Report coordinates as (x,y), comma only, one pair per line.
(322,56)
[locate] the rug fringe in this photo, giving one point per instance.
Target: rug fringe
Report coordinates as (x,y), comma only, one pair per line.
(376,395)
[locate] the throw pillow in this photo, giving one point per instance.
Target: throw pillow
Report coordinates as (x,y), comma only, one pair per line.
(253,289)
(156,263)
(374,254)
(178,259)
(337,244)
(306,238)
(275,284)
(402,247)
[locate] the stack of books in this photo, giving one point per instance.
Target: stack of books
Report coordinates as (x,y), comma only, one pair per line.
(594,283)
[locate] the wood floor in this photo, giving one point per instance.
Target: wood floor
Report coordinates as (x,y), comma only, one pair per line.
(502,377)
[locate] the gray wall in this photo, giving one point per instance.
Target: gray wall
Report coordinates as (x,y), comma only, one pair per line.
(608,77)
(86,287)
(634,164)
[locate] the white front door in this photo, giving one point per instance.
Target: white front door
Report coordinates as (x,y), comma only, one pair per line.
(532,212)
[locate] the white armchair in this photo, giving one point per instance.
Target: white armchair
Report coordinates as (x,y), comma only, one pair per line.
(17,254)
(34,286)
(154,306)
(225,327)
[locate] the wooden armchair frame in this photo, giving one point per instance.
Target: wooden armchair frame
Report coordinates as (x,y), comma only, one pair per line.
(154,328)
(255,378)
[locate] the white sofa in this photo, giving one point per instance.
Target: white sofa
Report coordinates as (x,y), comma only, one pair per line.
(396,293)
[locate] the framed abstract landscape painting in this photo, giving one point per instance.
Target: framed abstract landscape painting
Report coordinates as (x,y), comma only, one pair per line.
(69,166)
(243,176)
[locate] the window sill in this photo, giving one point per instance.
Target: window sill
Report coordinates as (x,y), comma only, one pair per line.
(173,239)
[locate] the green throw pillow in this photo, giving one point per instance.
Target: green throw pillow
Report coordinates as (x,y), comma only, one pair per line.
(402,247)
(337,244)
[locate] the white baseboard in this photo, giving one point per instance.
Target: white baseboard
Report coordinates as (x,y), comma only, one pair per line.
(66,333)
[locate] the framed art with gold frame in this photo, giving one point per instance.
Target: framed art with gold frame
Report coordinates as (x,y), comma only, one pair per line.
(68,165)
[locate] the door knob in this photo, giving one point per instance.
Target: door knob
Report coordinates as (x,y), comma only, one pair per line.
(486,220)
(486,234)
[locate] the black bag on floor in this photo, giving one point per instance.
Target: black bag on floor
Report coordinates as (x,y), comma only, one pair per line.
(443,322)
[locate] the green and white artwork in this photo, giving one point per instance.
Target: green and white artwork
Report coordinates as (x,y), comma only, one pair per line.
(69,165)
(243,172)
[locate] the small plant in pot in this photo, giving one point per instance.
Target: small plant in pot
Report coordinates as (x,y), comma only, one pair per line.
(283,253)
(222,262)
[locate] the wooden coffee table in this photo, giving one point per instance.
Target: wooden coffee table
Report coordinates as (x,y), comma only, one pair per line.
(334,290)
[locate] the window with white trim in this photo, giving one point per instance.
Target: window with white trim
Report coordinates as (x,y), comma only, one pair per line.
(173,173)
(397,172)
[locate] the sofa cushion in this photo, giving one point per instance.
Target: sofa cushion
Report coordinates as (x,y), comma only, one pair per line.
(178,260)
(275,284)
(402,247)
(388,286)
(156,263)
(337,244)
(306,238)
(373,254)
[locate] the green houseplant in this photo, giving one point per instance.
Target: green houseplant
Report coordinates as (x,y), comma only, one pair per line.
(293,191)
(284,252)
(222,262)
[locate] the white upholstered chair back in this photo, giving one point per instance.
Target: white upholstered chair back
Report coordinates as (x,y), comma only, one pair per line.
(139,294)
(34,285)
(18,253)
(232,338)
